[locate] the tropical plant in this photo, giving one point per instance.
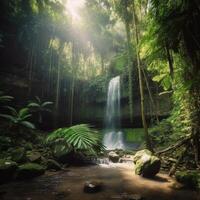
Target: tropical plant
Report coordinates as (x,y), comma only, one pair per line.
(79,138)
(38,106)
(18,119)
(5,98)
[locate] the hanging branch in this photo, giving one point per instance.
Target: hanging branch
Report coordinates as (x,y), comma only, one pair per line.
(180,143)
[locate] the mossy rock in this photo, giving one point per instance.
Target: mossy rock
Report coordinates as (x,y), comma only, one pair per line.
(190,179)
(33,156)
(29,170)
(7,170)
(52,164)
(139,154)
(146,164)
(28,146)
(18,155)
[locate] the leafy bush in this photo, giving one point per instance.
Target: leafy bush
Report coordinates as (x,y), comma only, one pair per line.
(18,119)
(161,133)
(38,106)
(80,138)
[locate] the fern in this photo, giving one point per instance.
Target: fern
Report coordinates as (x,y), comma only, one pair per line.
(81,138)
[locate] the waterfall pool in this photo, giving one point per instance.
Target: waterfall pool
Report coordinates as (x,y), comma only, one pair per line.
(132,138)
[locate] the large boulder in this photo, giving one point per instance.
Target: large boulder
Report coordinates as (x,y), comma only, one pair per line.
(146,164)
(114,157)
(190,179)
(7,170)
(29,170)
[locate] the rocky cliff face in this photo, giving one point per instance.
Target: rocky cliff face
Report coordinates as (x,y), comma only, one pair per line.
(89,105)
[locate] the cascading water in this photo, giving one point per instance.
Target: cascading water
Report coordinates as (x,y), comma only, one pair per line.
(113,138)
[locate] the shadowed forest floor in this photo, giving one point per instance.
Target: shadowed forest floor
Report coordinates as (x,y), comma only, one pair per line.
(119,182)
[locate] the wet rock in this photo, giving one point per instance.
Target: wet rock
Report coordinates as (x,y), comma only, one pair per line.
(190,179)
(29,170)
(92,187)
(120,152)
(7,170)
(114,157)
(52,164)
(33,156)
(126,159)
(146,164)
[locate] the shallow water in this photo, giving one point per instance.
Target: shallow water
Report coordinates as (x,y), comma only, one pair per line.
(118,180)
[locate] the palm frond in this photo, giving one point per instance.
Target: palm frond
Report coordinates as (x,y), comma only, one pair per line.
(6,98)
(13,110)
(46,103)
(8,117)
(23,112)
(38,99)
(28,124)
(81,137)
(33,104)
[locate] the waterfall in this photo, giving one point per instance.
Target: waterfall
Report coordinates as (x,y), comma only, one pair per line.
(113,138)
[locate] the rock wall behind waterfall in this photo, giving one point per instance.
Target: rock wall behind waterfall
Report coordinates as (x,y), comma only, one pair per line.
(89,102)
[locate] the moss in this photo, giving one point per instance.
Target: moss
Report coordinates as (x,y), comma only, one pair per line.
(30,170)
(140,154)
(134,135)
(146,164)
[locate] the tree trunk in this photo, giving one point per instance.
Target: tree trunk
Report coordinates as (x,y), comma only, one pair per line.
(130,81)
(170,61)
(102,64)
(147,139)
(74,69)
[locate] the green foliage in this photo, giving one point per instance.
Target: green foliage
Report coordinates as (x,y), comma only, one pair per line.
(39,107)
(5,98)
(161,134)
(172,29)
(134,135)
(19,118)
(190,179)
(80,138)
